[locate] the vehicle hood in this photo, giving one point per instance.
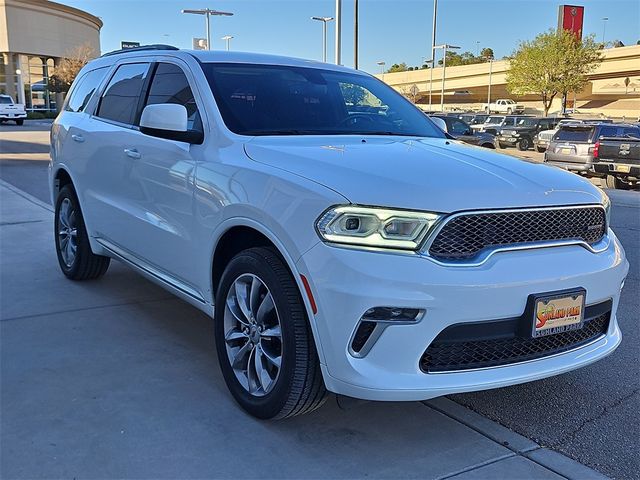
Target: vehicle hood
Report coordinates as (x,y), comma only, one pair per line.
(422,174)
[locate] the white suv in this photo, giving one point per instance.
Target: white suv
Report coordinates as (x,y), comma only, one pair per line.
(340,240)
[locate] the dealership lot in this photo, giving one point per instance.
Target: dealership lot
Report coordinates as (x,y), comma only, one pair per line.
(117,376)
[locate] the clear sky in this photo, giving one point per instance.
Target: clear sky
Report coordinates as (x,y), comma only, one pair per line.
(390,30)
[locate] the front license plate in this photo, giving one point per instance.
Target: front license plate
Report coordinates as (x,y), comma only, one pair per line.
(559,313)
(622,168)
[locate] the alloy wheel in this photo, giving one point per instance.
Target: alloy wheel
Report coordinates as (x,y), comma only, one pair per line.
(253,335)
(67,232)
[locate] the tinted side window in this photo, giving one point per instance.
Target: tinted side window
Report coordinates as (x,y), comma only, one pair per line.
(120,99)
(83,90)
(631,132)
(170,85)
(458,127)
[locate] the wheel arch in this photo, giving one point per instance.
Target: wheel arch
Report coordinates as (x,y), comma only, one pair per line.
(237,234)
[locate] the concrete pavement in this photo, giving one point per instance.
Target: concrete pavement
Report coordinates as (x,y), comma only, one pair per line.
(116,378)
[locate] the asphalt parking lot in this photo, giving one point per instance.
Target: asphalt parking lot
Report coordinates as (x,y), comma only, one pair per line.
(117,374)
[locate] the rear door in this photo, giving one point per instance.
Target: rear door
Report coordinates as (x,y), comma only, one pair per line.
(110,187)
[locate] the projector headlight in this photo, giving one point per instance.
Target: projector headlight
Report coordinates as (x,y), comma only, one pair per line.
(376,227)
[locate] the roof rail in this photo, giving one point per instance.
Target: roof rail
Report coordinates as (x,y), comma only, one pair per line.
(157,46)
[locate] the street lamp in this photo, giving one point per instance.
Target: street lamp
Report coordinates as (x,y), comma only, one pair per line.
(433,50)
(227,39)
(324,21)
(604,27)
(208,13)
(444,47)
(490,58)
(338,30)
(382,64)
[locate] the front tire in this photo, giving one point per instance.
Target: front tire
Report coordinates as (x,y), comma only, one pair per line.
(19,122)
(75,257)
(265,346)
(540,150)
(524,144)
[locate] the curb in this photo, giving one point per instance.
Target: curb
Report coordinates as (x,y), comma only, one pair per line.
(26,196)
(520,445)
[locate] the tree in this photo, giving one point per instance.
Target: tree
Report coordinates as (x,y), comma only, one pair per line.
(465,58)
(353,94)
(66,72)
(398,67)
(552,63)
(486,52)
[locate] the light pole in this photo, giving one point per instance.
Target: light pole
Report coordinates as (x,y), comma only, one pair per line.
(324,21)
(477,48)
(382,64)
(338,30)
(208,13)
(444,47)
(227,39)
(604,27)
(355,34)
(490,58)
(433,50)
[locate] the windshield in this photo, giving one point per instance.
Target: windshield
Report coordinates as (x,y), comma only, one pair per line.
(5,100)
(510,102)
(288,100)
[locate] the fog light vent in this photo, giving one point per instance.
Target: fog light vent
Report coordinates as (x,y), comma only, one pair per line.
(363,333)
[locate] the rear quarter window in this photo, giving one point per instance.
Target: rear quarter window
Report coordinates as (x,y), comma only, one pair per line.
(84,89)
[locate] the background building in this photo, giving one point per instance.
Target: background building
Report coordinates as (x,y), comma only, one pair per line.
(613,88)
(34,36)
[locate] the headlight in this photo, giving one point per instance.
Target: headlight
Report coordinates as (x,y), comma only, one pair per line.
(606,203)
(375,227)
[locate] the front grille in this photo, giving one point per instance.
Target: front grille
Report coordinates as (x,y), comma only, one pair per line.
(465,236)
(492,352)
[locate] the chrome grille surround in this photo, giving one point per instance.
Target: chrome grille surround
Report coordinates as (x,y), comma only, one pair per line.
(470,238)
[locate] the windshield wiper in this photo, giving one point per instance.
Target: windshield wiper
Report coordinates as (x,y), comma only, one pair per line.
(384,132)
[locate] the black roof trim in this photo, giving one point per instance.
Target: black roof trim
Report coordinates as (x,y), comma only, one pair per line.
(157,46)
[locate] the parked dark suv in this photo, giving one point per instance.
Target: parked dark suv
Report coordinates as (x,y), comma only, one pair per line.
(522,134)
(606,150)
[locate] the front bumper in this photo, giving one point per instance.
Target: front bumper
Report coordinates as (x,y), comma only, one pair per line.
(347,282)
(507,139)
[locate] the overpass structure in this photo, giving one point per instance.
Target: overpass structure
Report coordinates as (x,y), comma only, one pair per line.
(613,89)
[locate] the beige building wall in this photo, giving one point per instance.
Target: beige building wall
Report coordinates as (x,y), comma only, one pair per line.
(608,91)
(34,36)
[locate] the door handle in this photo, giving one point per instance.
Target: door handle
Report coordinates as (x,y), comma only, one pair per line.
(132,153)
(77,138)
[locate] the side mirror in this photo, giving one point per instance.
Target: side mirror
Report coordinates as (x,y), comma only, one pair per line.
(170,121)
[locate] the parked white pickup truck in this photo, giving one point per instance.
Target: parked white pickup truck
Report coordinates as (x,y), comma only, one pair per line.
(11,111)
(504,105)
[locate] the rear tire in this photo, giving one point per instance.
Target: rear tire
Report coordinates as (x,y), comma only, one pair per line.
(75,257)
(271,375)
(616,183)
(488,145)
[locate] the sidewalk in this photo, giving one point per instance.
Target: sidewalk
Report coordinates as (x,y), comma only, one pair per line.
(116,378)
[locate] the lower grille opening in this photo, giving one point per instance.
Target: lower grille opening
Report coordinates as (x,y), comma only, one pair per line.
(364,331)
(479,350)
